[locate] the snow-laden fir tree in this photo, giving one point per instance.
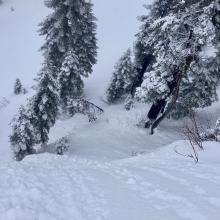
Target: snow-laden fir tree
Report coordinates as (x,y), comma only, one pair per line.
(24,91)
(211,134)
(61,146)
(44,104)
(23,137)
(69,80)
(128,102)
(71,44)
(17,86)
(217,128)
(122,78)
(182,67)
(70,27)
(70,52)
(150,35)
(143,49)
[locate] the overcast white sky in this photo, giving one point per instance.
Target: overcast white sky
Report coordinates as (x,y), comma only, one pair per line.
(19,40)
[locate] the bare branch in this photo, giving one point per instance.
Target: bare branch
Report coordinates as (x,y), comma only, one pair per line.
(189,155)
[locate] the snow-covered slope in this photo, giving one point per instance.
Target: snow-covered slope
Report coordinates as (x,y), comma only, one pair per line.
(111,136)
(158,186)
(98,178)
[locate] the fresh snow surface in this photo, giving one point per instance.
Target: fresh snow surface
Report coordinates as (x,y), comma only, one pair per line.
(99,178)
(159,185)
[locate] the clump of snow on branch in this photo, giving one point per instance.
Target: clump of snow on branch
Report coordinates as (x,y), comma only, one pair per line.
(80,105)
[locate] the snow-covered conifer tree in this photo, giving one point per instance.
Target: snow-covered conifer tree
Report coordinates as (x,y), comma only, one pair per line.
(61,146)
(122,78)
(128,102)
(71,27)
(24,91)
(144,52)
(70,52)
(17,86)
(69,80)
(22,138)
(71,44)
(182,67)
(44,104)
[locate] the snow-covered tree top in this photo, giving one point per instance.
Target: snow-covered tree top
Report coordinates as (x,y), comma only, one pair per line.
(180,39)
